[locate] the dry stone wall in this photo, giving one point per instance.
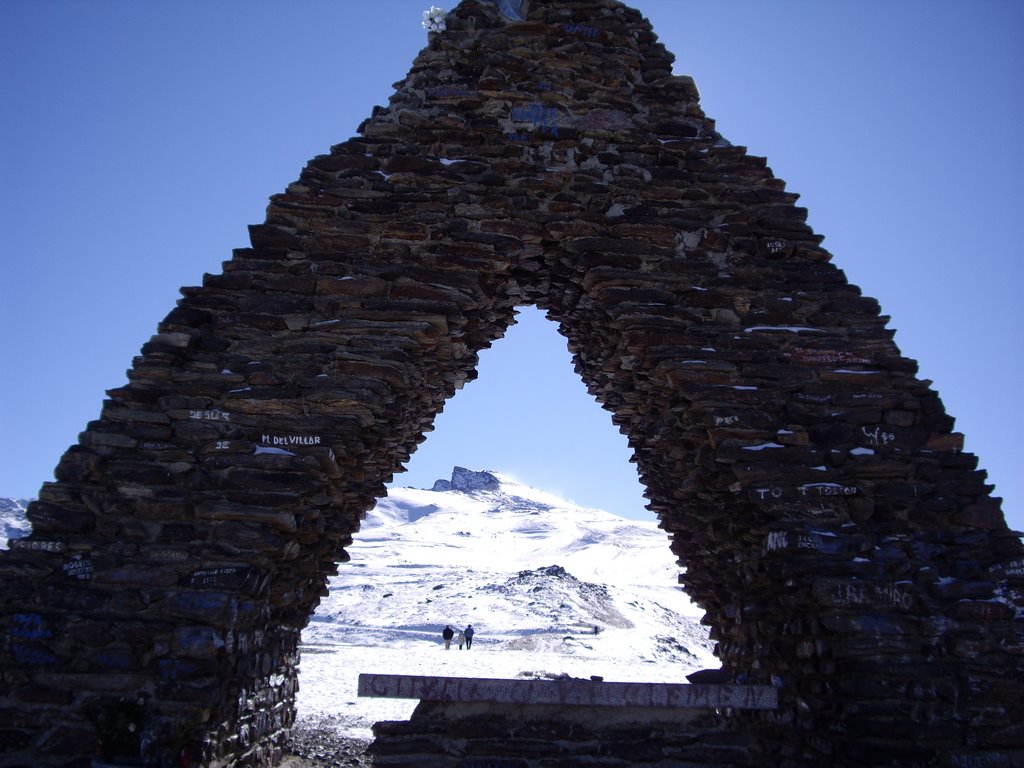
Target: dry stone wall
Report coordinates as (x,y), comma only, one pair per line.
(846,549)
(531,736)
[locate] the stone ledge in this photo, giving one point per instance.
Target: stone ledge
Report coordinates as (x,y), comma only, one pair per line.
(568,692)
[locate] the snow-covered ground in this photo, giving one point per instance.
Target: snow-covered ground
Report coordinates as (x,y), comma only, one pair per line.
(534,574)
(329,674)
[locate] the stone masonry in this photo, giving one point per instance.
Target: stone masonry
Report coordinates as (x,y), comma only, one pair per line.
(845,549)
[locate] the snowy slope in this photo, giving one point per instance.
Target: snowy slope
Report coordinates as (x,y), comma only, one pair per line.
(535,574)
(13,524)
(451,549)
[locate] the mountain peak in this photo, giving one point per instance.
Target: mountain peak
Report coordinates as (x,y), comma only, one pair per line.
(468,480)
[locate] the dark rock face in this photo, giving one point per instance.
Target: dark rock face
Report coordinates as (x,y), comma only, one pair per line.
(844,547)
(467,480)
(510,736)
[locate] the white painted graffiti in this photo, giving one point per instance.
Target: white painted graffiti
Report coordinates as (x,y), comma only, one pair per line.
(878,437)
(78,567)
(1012,568)
(168,555)
(849,594)
(38,546)
(805,541)
(156,446)
(214,414)
(275,440)
(827,489)
(774,492)
(782,540)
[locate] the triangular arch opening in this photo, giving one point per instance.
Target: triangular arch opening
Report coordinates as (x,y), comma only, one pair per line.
(527,414)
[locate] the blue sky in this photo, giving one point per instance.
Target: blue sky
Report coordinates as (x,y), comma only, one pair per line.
(140,139)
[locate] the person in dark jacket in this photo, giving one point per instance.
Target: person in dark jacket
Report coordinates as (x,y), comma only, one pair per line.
(468,632)
(447,633)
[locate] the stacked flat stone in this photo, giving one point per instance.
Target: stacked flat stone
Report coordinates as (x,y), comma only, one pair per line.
(844,547)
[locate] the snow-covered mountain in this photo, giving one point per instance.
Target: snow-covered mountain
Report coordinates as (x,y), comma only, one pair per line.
(524,566)
(13,524)
(550,587)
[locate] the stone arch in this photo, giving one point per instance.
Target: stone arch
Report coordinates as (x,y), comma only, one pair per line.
(845,549)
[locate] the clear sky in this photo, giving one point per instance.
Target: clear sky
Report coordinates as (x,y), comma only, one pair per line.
(139,139)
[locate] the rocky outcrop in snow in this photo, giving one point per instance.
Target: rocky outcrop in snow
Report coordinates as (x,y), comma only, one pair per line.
(467,481)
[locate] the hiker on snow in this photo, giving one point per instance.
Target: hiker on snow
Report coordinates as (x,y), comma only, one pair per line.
(460,639)
(468,632)
(447,633)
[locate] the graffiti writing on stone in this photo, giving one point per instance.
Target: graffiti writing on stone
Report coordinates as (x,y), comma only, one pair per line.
(807,491)
(29,626)
(167,555)
(979,760)
(78,567)
(582,30)
(812,397)
(867,396)
(214,414)
(150,445)
(777,540)
(280,441)
(227,320)
(38,546)
(767,493)
(877,436)
(540,117)
(567,692)
(25,628)
(1012,569)
(826,489)
(822,542)
(848,594)
(228,577)
(827,357)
